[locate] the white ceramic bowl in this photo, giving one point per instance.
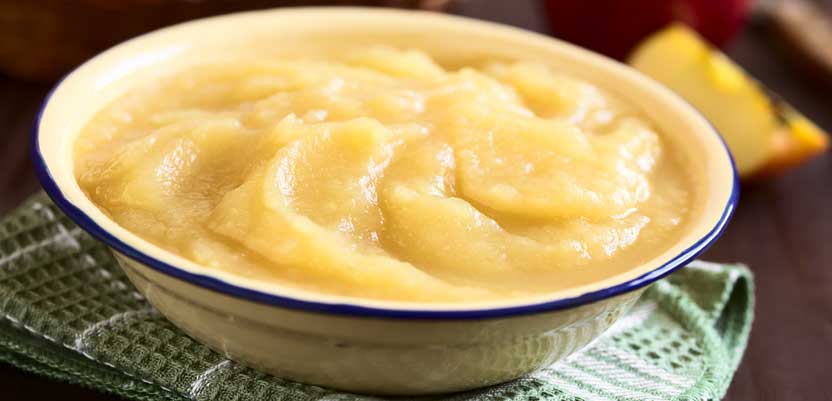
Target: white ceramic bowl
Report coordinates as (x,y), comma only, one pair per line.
(361,345)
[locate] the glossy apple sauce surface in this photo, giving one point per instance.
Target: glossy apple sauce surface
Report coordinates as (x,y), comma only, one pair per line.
(379,173)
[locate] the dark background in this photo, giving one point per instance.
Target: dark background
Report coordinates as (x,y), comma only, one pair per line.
(782,230)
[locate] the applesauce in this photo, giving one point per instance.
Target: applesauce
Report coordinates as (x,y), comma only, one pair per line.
(379,173)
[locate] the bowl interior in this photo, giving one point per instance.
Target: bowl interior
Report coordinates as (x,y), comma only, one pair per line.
(449,39)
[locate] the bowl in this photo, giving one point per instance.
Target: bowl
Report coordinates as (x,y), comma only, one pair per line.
(362,345)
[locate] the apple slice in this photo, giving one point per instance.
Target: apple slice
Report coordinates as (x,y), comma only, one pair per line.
(764,134)
(795,141)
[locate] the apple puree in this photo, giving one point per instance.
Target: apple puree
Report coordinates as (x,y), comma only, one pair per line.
(381,174)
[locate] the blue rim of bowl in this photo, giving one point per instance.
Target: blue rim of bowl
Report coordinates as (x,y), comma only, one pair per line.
(90,226)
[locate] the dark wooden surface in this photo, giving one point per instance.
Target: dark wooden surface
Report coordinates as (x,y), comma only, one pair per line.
(782,230)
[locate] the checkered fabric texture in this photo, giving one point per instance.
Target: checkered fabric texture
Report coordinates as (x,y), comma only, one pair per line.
(69,313)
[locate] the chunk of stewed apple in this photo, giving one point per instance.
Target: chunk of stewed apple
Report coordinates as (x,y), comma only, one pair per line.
(551,169)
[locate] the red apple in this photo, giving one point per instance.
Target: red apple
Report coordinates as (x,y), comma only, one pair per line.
(614,27)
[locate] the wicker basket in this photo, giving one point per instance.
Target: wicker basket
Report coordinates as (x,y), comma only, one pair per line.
(43,39)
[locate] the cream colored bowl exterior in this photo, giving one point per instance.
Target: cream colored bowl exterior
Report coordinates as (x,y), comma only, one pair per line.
(381,355)
(376,355)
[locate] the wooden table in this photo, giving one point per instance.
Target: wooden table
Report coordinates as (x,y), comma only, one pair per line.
(782,229)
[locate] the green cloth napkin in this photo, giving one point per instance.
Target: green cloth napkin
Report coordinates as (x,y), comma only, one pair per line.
(68,312)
